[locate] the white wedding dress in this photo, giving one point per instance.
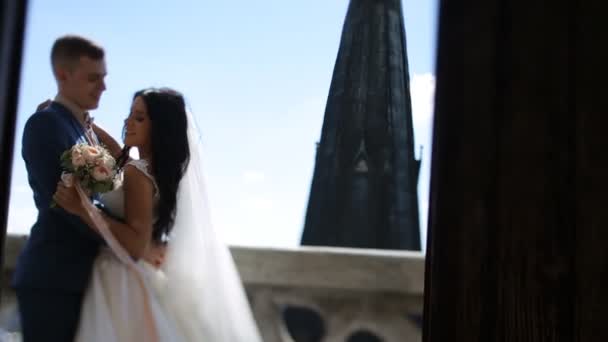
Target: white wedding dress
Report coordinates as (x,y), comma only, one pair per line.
(196,296)
(124,301)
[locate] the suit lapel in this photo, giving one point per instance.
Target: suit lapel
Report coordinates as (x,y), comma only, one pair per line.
(76,128)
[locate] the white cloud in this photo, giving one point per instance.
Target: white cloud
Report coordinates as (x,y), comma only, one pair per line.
(22,212)
(422,89)
(251,176)
(258,203)
(22,190)
(21,219)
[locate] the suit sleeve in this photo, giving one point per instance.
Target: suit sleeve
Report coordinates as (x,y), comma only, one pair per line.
(44,140)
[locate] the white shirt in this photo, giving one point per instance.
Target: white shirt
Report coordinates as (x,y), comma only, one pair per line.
(81,116)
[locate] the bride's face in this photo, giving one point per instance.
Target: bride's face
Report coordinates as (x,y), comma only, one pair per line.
(138,125)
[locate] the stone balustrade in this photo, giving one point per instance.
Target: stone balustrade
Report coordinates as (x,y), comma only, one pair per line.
(313,293)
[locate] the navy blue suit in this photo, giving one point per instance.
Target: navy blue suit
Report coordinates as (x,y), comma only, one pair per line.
(54,268)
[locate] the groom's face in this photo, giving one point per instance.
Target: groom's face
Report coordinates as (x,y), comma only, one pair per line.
(85,82)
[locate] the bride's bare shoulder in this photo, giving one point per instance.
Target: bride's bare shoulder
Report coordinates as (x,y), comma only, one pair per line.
(137,177)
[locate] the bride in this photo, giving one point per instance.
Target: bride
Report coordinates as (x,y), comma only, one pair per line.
(195,293)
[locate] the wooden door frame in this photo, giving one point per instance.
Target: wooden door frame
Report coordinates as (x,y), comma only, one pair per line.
(12,30)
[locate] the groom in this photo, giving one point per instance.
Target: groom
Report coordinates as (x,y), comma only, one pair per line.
(53,270)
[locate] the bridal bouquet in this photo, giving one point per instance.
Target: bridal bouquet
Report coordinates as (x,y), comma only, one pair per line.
(92,166)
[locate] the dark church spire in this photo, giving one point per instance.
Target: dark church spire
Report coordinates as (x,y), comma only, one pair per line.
(364,189)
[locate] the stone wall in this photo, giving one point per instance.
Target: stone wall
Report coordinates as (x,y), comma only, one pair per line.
(312,294)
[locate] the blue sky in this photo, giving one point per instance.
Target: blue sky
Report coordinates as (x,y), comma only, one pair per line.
(255,73)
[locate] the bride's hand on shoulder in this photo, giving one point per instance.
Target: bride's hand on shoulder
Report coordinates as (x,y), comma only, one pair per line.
(109,141)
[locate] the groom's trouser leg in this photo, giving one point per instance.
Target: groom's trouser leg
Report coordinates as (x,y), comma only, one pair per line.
(48,315)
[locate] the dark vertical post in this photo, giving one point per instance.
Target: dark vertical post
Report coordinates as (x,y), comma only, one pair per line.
(519,186)
(12,27)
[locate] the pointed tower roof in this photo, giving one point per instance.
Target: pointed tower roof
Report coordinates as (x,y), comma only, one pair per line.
(364,188)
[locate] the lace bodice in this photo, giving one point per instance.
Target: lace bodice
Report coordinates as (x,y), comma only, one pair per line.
(114,201)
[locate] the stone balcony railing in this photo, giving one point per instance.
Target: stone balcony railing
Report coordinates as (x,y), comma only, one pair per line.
(313,294)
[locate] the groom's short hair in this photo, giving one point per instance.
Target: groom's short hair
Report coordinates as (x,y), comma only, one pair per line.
(67,50)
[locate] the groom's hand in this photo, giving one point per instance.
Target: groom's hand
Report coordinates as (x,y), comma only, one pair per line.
(155,254)
(68,198)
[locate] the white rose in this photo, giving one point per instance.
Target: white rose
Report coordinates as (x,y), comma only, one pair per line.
(77,158)
(107,161)
(90,153)
(101,173)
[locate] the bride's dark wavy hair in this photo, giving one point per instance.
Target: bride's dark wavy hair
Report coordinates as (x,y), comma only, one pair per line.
(170,151)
